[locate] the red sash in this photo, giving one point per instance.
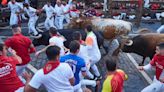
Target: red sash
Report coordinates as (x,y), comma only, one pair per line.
(51,65)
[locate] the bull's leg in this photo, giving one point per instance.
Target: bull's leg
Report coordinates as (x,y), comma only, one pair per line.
(142,63)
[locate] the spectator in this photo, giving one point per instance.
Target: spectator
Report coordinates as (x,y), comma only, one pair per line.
(115,77)
(55,76)
(158,63)
(9,80)
(74,13)
(23,47)
(77,64)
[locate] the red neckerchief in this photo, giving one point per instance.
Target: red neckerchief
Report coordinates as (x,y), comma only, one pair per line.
(17,34)
(55,35)
(50,66)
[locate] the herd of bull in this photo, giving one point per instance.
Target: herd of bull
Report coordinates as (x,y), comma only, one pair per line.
(143,43)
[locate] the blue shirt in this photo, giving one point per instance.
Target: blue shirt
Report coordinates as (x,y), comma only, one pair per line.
(77,64)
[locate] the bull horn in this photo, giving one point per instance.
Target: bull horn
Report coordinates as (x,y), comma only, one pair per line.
(36,37)
(130,42)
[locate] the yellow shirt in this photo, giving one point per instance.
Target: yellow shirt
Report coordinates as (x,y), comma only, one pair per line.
(114,82)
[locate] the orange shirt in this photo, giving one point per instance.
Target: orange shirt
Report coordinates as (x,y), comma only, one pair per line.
(114,82)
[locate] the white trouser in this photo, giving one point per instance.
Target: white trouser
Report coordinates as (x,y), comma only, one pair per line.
(13,19)
(20,69)
(21,89)
(160,29)
(31,25)
(77,88)
(49,23)
(59,22)
(105,8)
(67,18)
(156,86)
(94,67)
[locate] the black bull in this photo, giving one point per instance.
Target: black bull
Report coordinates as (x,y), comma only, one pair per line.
(67,33)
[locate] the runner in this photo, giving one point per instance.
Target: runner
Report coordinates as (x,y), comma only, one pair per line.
(158,63)
(50,13)
(59,9)
(32,13)
(23,47)
(115,77)
(9,80)
(93,52)
(77,64)
(54,40)
(55,76)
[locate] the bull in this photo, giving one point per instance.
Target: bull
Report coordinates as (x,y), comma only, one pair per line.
(110,28)
(142,44)
(67,33)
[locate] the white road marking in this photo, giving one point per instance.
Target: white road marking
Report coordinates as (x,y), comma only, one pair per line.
(144,74)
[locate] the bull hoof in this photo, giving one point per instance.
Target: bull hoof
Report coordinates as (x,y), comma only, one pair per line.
(140,64)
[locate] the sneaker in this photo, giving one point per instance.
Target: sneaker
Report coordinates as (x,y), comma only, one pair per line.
(94,78)
(99,77)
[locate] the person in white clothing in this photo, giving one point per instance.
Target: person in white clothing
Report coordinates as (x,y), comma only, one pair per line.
(83,53)
(105,7)
(158,63)
(54,40)
(93,52)
(15,8)
(50,13)
(55,76)
(160,29)
(32,13)
(66,10)
(59,9)
(22,14)
(146,3)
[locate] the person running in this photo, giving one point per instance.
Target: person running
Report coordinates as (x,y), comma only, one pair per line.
(158,63)
(54,40)
(15,9)
(9,80)
(93,52)
(67,7)
(23,47)
(83,53)
(59,9)
(114,78)
(77,64)
(50,13)
(55,76)
(32,13)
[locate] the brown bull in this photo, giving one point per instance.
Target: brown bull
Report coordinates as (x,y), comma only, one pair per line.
(142,44)
(111,28)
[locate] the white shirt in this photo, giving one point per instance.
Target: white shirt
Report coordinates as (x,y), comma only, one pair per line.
(14,7)
(93,51)
(58,41)
(31,12)
(55,81)
(49,10)
(83,53)
(59,10)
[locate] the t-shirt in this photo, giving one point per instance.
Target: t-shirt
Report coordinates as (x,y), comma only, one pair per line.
(9,81)
(55,81)
(77,64)
(93,50)
(14,7)
(21,45)
(58,41)
(31,12)
(114,82)
(59,10)
(49,10)
(158,62)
